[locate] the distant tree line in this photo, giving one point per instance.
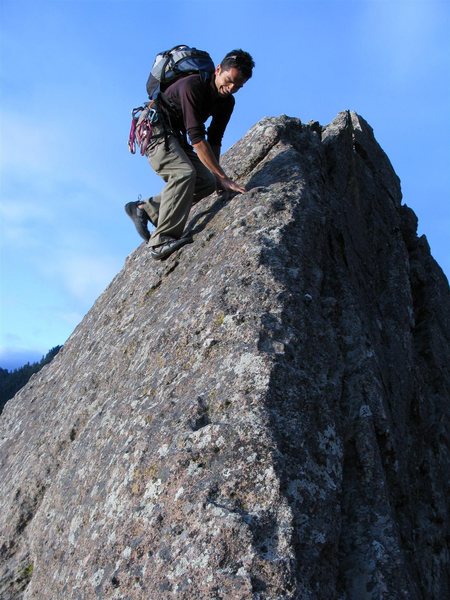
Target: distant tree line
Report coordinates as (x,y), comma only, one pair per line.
(12,381)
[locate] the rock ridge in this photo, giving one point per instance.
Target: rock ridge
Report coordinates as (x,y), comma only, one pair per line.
(264,415)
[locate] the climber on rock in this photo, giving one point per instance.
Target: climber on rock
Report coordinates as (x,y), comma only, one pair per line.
(185,154)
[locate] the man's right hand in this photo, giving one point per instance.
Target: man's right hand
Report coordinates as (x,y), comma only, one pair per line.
(228,185)
(206,155)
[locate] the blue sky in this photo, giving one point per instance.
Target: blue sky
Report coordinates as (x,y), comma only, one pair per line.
(72,70)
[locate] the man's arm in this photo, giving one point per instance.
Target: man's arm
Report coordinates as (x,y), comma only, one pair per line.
(206,155)
(216,151)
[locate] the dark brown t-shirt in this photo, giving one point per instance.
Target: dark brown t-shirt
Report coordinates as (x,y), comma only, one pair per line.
(190,102)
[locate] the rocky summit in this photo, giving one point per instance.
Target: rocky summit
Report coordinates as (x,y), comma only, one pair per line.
(264,415)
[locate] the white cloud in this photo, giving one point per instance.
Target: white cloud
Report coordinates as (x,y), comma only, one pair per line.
(16,350)
(71,318)
(85,276)
(29,145)
(20,222)
(14,358)
(51,294)
(47,154)
(13,210)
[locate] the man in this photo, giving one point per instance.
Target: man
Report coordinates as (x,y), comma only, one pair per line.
(191,170)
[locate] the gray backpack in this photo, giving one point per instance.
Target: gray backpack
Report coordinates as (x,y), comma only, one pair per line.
(172,64)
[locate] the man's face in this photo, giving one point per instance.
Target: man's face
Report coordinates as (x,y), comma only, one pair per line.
(229,81)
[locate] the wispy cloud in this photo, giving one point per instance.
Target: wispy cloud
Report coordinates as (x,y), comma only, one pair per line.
(14,358)
(82,274)
(21,222)
(28,143)
(60,251)
(402,33)
(52,253)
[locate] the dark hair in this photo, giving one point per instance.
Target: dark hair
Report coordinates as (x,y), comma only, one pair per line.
(240,60)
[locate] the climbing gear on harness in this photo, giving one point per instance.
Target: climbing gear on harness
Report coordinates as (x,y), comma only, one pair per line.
(142,119)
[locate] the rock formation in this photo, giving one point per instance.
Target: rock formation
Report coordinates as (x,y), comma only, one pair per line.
(264,415)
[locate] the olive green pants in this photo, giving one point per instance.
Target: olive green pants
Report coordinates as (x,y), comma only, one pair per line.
(187,181)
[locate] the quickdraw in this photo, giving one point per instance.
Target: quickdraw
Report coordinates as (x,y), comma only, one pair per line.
(142,119)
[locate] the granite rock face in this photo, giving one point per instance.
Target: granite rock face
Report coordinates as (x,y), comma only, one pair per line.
(264,415)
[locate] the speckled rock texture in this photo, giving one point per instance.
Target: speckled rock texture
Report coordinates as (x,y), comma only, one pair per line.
(264,415)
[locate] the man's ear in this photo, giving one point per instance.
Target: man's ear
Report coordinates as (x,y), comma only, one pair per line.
(218,70)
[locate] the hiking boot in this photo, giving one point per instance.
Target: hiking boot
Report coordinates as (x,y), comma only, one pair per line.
(164,250)
(140,219)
